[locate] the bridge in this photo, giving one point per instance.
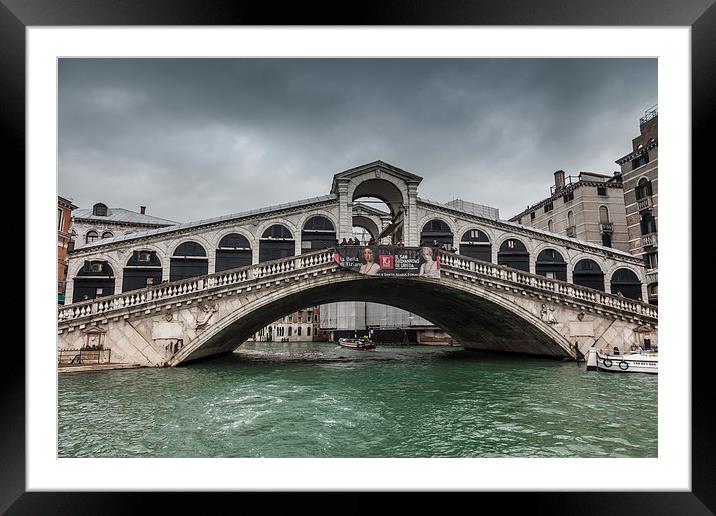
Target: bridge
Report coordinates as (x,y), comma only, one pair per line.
(199,289)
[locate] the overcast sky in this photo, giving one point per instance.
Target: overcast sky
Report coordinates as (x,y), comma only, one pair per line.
(199,138)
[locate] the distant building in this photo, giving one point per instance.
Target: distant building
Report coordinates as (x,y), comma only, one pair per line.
(588,207)
(639,171)
(299,326)
(474,209)
(64,243)
(385,324)
(89,225)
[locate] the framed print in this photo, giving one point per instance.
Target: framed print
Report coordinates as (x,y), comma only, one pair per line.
(330,280)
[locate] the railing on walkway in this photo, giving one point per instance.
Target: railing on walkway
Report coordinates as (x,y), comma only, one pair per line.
(192,285)
(84,356)
(310,261)
(509,275)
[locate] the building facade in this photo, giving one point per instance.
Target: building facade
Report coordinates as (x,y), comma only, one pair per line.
(639,171)
(588,207)
(300,326)
(64,243)
(100,222)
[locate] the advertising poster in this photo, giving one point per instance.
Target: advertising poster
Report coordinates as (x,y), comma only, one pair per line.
(389,260)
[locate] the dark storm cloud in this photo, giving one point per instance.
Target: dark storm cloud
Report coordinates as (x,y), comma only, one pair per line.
(194,138)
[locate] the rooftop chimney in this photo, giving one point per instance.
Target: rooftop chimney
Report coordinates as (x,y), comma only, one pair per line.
(559,180)
(142,209)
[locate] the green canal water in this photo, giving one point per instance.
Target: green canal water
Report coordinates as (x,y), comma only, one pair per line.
(320,400)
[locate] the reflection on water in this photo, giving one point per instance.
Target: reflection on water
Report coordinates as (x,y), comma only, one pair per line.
(320,400)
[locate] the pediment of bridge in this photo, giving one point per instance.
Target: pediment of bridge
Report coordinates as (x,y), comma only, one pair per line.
(375,170)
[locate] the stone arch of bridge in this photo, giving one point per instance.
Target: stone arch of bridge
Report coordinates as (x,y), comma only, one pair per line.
(369,223)
(389,189)
(475,315)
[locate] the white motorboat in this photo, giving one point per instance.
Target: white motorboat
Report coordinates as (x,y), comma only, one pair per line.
(644,361)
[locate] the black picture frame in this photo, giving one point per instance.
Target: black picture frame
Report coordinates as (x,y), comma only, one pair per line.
(700,15)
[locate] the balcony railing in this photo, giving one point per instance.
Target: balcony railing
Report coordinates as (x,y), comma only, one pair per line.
(572,231)
(645,203)
(649,240)
(607,227)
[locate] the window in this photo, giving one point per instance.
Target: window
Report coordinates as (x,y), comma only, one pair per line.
(99,209)
(651,261)
(550,226)
(637,162)
(532,215)
(643,188)
(602,190)
(648,224)
(603,215)
(607,240)
(59,219)
(570,218)
(91,236)
(569,196)
(548,207)
(107,234)
(299,331)
(290,330)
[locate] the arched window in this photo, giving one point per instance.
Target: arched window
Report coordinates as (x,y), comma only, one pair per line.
(603,215)
(627,283)
(91,236)
(588,274)
(318,233)
(99,210)
(107,234)
(299,331)
(234,251)
(436,230)
(643,188)
(476,244)
(570,218)
(276,242)
(550,226)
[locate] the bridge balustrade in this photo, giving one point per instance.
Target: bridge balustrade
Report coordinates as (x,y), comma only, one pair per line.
(188,286)
(501,272)
(324,257)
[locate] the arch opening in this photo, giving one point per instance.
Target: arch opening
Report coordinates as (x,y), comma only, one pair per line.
(587,273)
(188,261)
(437,232)
(94,280)
(626,282)
(551,264)
(275,243)
(318,233)
(513,253)
(143,269)
(476,321)
(476,244)
(234,251)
